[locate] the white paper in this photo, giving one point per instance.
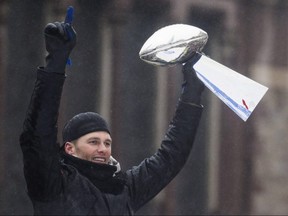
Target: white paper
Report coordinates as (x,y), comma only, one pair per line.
(237,91)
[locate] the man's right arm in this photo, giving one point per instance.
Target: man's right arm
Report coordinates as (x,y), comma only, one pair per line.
(39,137)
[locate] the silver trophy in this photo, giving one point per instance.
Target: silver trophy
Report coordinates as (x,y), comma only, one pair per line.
(177,43)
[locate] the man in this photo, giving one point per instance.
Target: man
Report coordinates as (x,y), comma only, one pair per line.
(83,178)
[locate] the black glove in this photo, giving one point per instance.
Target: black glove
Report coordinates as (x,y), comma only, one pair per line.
(192,87)
(60,39)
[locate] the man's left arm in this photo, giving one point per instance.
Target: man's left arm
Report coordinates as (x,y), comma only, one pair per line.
(154,173)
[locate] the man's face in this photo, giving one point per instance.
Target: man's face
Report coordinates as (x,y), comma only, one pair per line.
(94,147)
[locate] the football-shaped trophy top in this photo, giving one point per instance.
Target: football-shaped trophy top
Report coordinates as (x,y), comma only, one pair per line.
(173,44)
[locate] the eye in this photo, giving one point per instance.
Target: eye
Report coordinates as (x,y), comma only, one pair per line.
(108,144)
(93,142)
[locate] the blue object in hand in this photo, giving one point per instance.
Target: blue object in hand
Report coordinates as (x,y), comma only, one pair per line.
(68,20)
(69,15)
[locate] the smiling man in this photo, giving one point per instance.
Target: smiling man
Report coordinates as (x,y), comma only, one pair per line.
(87,136)
(81,177)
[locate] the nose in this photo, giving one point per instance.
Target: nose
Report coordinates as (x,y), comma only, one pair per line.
(101,148)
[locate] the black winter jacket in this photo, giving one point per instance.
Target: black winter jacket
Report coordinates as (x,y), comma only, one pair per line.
(59,184)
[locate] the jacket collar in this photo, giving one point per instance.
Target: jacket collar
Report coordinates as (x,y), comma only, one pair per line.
(107,177)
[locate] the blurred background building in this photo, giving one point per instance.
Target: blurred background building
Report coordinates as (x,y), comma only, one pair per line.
(235,167)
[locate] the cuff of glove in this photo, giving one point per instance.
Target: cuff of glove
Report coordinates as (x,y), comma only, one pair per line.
(191,104)
(192,93)
(55,64)
(45,71)
(191,96)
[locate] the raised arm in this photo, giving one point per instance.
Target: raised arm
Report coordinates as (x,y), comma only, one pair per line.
(154,173)
(39,137)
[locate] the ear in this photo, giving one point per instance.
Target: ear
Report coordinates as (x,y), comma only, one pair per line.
(69,148)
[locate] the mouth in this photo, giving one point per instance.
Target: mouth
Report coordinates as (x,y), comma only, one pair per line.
(99,160)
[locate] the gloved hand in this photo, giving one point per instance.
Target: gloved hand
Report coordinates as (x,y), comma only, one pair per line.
(192,87)
(60,39)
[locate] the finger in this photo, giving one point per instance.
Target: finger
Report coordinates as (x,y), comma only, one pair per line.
(51,28)
(69,15)
(60,28)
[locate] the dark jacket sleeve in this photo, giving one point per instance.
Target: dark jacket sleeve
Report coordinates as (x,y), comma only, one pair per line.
(39,137)
(154,173)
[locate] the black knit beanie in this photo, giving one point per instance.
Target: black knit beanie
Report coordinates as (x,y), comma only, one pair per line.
(82,124)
